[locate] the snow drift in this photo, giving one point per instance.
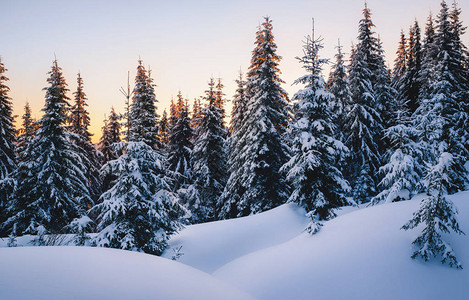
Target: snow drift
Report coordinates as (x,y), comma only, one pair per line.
(100,273)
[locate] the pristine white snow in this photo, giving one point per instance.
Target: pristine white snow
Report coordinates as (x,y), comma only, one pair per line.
(100,273)
(209,246)
(361,254)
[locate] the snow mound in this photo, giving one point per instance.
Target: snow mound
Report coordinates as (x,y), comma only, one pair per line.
(100,273)
(209,246)
(360,255)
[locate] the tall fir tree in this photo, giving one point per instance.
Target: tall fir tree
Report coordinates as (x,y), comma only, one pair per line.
(110,137)
(405,167)
(385,95)
(139,211)
(400,68)
(437,214)
(143,116)
(52,185)
(363,122)
(79,122)
(412,83)
(8,159)
(318,185)
(220,99)
(180,144)
(337,84)
(208,156)
(234,186)
(448,98)
(27,133)
(163,129)
(264,149)
(7,130)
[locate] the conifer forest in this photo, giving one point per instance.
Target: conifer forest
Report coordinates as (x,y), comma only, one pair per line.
(366,136)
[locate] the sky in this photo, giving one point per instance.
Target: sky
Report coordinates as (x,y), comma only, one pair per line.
(183,42)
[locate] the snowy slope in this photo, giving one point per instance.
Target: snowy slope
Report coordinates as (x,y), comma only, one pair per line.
(359,255)
(209,246)
(100,273)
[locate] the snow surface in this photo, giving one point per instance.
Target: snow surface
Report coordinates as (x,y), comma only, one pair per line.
(361,254)
(209,246)
(100,273)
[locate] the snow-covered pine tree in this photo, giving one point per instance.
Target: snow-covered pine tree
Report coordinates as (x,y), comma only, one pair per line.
(8,157)
(139,212)
(27,133)
(79,122)
(143,110)
(180,144)
(220,99)
(208,157)
(318,185)
(449,98)
(363,122)
(264,149)
(7,130)
(338,86)
(437,214)
(412,82)
(429,52)
(234,186)
(426,117)
(109,143)
(111,135)
(238,111)
(163,129)
(196,117)
(460,67)
(400,68)
(52,186)
(385,95)
(405,168)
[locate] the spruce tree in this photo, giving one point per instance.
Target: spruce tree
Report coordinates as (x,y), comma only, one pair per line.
(264,149)
(143,110)
(404,170)
(27,133)
(7,130)
(139,211)
(79,122)
(110,137)
(196,114)
(208,156)
(220,99)
(385,95)
(52,185)
(363,123)
(412,83)
(109,144)
(318,185)
(8,157)
(449,95)
(180,144)
(163,129)
(400,68)
(234,186)
(338,86)
(437,214)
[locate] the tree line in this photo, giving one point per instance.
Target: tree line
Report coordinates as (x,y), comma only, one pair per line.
(366,135)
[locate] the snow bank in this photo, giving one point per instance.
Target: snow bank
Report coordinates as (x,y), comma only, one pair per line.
(100,273)
(360,255)
(209,246)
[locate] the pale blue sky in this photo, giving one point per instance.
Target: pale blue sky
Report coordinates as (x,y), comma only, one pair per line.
(184,42)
